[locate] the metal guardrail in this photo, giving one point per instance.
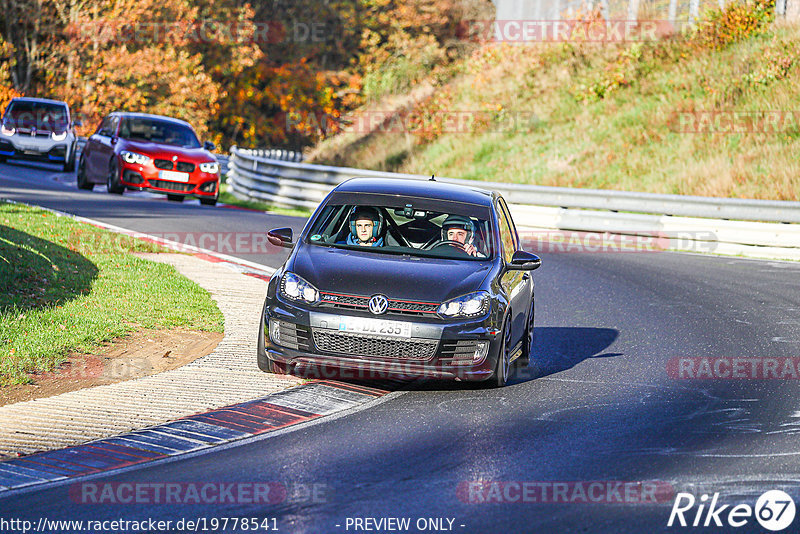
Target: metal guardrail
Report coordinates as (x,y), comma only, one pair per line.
(695,224)
(304,185)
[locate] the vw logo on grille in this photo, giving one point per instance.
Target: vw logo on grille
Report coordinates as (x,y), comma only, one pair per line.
(378,304)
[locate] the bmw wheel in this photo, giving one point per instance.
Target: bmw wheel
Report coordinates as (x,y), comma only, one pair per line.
(69,163)
(83,181)
(114,186)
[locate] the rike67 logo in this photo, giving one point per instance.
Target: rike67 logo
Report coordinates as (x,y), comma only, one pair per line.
(774,510)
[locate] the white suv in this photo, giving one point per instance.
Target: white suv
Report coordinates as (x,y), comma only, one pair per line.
(38,129)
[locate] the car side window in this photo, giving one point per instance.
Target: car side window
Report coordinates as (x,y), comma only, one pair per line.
(113,126)
(506,235)
(510,221)
(105,127)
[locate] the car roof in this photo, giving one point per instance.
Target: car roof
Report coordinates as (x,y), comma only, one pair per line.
(38,100)
(418,188)
(150,116)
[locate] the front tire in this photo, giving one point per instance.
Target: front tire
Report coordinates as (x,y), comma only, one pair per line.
(114,187)
(527,340)
(83,181)
(69,164)
(501,369)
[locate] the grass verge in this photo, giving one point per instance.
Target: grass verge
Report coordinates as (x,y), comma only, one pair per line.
(68,286)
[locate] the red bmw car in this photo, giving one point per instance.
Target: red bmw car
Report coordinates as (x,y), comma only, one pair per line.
(149,152)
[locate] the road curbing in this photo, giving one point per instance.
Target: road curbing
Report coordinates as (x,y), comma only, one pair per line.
(187,435)
(226,376)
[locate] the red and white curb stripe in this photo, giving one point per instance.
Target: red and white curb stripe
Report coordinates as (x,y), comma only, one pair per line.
(201,431)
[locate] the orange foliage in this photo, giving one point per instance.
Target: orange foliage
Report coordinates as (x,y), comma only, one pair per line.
(6,94)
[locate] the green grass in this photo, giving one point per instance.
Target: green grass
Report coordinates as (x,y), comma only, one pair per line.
(625,139)
(66,285)
(226,197)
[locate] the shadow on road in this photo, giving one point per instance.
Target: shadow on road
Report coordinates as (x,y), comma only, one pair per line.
(557,349)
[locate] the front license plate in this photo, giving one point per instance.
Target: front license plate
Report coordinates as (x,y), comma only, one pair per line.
(376,327)
(174,176)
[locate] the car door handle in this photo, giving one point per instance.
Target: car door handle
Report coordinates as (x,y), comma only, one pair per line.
(525,277)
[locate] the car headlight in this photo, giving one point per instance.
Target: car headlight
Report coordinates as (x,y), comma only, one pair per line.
(212,167)
(295,288)
(133,157)
(6,130)
(58,136)
(471,305)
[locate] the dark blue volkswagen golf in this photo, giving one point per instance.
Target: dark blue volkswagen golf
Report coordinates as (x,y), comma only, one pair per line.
(401,278)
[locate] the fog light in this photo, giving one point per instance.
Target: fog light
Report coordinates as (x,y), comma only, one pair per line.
(275,331)
(209,187)
(481,348)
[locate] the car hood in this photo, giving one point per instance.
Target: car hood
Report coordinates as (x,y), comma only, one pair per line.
(159,150)
(402,277)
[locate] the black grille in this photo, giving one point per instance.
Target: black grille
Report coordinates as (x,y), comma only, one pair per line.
(163,164)
(28,131)
(458,352)
(293,336)
(369,346)
(402,307)
(184,166)
(174,186)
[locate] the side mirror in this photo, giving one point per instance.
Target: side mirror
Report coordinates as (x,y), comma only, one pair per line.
(208,145)
(524,261)
(280,237)
(114,139)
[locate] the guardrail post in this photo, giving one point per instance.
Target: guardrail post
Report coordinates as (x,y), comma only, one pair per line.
(694,11)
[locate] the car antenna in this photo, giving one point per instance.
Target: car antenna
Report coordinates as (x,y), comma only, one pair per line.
(433,178)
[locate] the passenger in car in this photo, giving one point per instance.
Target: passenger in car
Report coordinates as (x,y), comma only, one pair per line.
(366,224)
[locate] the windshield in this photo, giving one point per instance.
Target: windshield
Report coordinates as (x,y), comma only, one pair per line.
(39,115)
(158,131)
(456,231)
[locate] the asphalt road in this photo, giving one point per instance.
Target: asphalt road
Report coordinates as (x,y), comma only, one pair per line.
(606,409)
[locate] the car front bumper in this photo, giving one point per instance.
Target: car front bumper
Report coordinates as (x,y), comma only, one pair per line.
(141,177)
(311,342)
(35,148)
